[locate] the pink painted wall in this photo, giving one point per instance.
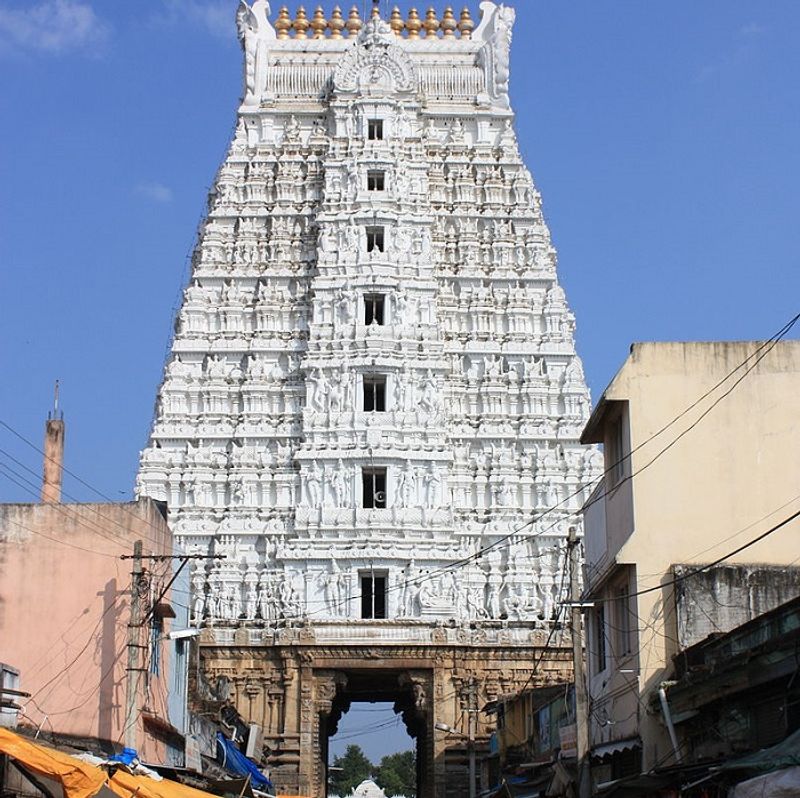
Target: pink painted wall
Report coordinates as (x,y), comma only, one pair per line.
(64,612)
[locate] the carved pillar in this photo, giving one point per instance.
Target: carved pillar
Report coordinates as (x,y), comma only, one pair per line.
(326,685)
(308,727)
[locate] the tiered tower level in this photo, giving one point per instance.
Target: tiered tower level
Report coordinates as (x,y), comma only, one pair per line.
(373,375)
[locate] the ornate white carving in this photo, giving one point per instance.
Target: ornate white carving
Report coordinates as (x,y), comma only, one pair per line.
(261,439)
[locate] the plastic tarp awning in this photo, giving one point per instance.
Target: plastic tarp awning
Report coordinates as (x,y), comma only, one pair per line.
(785,754)
(236,762)
(77,779)
(780,784)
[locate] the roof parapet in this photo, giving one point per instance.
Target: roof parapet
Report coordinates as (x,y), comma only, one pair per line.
(447,28)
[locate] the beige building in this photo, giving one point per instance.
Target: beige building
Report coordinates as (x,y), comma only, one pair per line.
(702,454)
(65,595)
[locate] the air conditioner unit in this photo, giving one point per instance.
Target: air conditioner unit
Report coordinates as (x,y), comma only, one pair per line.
(255,741)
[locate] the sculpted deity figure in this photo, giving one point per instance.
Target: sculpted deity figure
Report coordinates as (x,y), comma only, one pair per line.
(255,33)
(235,600)
(493,601)
(433,484)
(402,241)
(198,596)
(352,185)
(400,306)
(335,393)
(345,307)
(430,398)
(216,367)
(332,585)
(251,602)
(319,391)
(313,485)
(339,485)
(407,485)
(265,603)
(411,590)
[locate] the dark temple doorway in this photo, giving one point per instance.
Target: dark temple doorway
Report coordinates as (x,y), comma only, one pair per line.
(379,702)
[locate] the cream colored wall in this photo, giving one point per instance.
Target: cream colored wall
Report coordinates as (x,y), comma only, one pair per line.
(732,476)
(64,610)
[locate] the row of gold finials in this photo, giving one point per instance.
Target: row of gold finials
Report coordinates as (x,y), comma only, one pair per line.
(414,26)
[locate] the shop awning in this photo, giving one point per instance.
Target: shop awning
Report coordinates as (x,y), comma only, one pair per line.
(780,784)
(62,774)
(65,776)
(599,751)
(236,762)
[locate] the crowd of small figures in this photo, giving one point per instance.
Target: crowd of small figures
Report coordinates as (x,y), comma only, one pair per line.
(415,27)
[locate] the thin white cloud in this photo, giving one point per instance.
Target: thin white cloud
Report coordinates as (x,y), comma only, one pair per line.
(743,47)
(155,192)
(52,26)
(752,29)
(213,16)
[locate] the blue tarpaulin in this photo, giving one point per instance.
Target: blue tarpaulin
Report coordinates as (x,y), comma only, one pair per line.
(236,762)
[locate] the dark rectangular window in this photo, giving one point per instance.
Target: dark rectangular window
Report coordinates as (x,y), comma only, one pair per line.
(373,595)
(374,239)
(376,181)
(374,305)
(616,453)
(375,393)
(600,638)
(374,484)
(623,621)
(375,129)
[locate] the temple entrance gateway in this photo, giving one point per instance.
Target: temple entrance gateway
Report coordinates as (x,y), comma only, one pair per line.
(372,409)
(297,687)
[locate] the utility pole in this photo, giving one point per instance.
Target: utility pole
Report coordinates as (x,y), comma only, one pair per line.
(134,634)
(581,699)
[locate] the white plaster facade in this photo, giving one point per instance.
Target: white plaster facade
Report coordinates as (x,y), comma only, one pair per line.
(261,437)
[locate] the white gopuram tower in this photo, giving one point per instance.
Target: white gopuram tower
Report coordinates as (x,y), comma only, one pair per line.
(373,402)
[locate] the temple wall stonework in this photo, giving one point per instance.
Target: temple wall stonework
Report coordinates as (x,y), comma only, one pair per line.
(293,690)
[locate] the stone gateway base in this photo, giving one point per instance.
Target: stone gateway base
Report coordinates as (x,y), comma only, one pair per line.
(298,691)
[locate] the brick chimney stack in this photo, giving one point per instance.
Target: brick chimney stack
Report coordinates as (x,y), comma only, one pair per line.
(53,456)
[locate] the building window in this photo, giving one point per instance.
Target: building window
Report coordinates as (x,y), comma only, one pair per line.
(375,129)
(374,239)
(373,595)
(376,181)
(600,638)
(375,393)
(373,482)
(616,452)
(156,633)
(374,305)
(623,621)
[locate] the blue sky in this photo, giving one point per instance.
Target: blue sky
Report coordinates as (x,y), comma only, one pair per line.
(664,139)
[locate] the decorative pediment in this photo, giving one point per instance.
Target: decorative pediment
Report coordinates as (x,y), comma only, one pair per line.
(376,65)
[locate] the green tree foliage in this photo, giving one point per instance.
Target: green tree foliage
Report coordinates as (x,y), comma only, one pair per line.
(355,767)
(397,774)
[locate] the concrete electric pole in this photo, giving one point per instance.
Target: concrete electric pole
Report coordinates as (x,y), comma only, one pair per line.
(581,698)
(134,635)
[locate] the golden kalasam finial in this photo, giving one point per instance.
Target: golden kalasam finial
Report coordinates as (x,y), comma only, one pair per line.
(283,24)
(353,22)
(396,22)
(466,24)
(336,23)
(431,23)
(376,12)
(319,23)
(413,24)
(300,23)
(449,23)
